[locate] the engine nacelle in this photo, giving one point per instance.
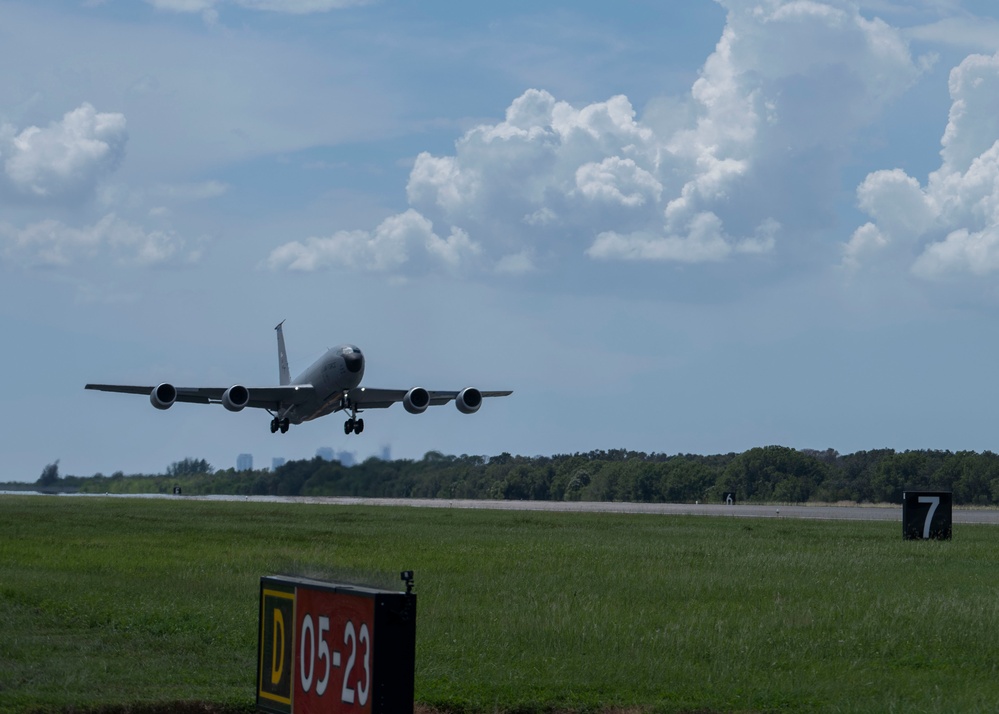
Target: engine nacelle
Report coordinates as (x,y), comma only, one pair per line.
(235,397)
(416,400)
(468,400)
(163,396)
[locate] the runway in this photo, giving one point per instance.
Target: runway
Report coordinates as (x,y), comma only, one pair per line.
(849,513)
(989,516)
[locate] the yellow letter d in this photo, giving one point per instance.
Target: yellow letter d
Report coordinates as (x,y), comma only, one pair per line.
(277,661)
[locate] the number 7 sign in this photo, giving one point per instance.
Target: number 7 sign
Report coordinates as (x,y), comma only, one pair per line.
(926,515)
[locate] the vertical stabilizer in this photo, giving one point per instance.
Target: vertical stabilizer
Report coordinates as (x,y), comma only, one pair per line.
(282,356)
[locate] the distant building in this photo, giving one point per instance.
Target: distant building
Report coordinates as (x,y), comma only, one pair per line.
(277,462)
(325,453)
(386,454)
(244,462)
(347,458)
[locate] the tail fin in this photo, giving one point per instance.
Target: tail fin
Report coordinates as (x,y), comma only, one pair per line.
(285,377)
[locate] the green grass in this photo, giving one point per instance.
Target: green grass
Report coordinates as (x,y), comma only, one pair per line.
(107,602)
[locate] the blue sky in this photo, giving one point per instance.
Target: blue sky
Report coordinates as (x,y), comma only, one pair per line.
(674,227)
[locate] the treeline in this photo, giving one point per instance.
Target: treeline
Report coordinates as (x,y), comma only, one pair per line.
(772,474)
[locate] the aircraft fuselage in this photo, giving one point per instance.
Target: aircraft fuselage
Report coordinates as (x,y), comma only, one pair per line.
(332,376)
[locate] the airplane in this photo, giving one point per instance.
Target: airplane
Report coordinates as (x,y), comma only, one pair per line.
(331,384)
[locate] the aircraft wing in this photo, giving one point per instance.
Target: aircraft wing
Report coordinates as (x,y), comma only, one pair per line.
(367,398)
(260,397)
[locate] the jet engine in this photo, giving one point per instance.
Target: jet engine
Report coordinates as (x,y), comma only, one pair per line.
(235,397)
(416,400)
(163,396)
(468,400)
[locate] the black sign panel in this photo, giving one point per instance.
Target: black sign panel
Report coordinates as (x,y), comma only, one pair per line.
(728,498)
(332,648)
(926,515)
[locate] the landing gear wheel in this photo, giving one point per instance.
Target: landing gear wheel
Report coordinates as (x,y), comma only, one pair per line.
(348,426)
(284,425)
(359,426)
(274,425)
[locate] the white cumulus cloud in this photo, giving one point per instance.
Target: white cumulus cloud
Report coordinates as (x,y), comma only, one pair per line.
(950,225)
(961,252)
(67,158)
(52,244)
(702,179)
(618,180)
(386,248)
(704,240)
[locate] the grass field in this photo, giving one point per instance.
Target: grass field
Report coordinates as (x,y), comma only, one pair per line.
(119,602)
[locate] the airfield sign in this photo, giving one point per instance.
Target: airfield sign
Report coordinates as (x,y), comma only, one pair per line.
(926,515)
(334,648)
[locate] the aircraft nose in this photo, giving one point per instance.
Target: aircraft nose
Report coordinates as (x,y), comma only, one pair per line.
(354,362)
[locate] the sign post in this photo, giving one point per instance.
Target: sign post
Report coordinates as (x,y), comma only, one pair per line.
(335,648)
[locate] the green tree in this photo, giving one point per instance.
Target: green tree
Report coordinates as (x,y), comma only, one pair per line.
(50,475)
(189,467)
(897,472)
(775,473)
(684,480)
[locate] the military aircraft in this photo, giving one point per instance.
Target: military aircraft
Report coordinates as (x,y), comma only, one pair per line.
(331,384)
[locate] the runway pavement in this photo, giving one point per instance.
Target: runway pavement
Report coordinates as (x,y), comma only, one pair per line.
(853,512)
(821,512)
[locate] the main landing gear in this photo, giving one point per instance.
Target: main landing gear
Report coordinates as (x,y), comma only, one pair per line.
(281,424)
(352,425)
